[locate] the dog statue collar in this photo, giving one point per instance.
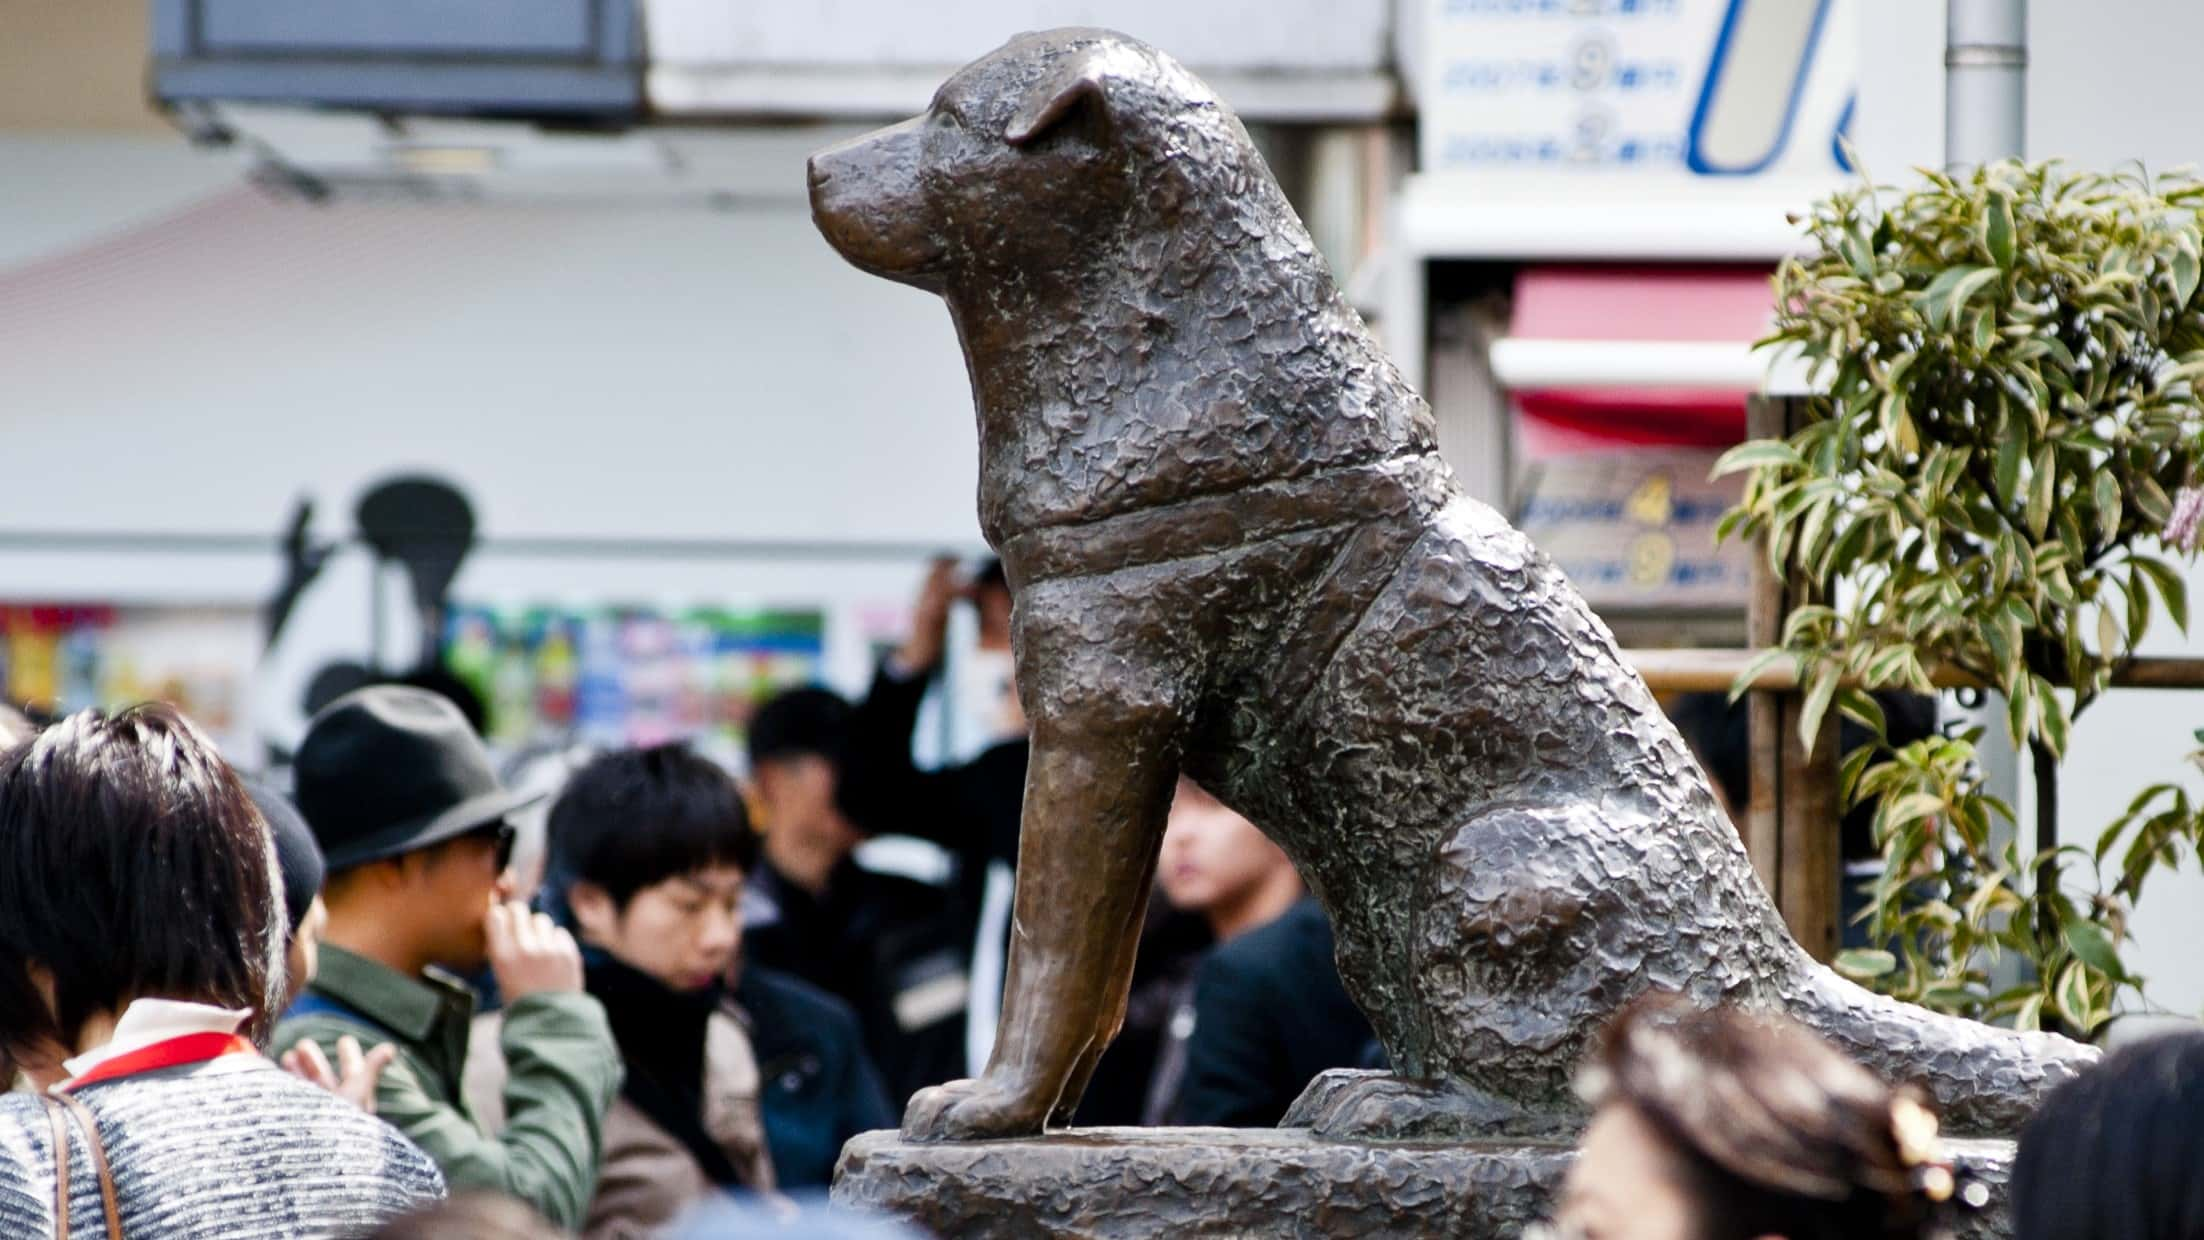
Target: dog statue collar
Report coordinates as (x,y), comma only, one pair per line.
(1205,525)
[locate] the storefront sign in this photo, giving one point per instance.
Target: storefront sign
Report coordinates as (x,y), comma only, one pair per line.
(1635,529)
(1660,87)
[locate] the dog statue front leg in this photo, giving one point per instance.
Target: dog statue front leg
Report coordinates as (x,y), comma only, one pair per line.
(1098,788)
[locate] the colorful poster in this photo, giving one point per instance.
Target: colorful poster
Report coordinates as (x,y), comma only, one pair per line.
(59,657)
(629,675)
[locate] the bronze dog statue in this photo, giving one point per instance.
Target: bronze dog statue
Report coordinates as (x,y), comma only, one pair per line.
(1236,552)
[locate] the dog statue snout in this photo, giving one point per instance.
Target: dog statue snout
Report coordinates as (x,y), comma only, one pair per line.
(869,202)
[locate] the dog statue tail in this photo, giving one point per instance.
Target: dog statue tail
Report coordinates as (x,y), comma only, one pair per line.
(1984,1080)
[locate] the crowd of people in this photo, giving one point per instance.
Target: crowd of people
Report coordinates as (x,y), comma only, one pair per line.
(234,1011)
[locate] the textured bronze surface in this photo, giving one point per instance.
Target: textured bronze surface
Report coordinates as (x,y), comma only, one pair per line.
(1236,553)
(1137,1183)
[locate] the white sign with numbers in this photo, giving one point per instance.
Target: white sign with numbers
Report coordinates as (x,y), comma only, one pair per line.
(1682,88)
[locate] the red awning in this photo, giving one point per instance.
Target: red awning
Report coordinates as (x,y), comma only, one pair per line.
(1640,305)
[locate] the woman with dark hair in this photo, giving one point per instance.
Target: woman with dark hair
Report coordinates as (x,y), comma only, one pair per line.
(141,958)
(2118,1153)
(1718,1125)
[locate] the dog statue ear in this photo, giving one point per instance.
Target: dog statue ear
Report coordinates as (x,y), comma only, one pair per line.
(1079,93)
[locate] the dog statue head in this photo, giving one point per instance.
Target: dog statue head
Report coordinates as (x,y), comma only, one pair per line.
(1144,315)
(1026,164)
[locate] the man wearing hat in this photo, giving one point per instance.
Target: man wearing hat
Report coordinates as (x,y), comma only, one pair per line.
(400,795)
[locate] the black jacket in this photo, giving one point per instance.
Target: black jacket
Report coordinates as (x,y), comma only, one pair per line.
(892,949)
(816,1088)
(1269,1014)
(970,809)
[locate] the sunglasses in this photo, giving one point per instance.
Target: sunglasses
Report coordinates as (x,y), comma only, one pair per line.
(500,835)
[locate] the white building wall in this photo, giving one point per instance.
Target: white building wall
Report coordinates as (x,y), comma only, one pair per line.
(773,427)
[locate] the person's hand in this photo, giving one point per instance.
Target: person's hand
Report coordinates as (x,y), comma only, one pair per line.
(529,953)
(921,651)
(355,1075)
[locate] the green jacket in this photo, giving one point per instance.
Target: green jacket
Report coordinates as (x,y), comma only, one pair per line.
(565,1071)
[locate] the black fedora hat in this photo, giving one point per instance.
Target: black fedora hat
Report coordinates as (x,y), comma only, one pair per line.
(389,769)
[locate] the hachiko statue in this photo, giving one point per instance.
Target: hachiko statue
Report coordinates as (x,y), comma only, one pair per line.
(1237,553)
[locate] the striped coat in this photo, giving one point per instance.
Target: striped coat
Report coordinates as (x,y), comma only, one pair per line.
(232,1149)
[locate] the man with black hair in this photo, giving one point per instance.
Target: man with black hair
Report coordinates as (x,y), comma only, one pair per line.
(890,947)
(411,820)
(749,1085)
(1264,1012)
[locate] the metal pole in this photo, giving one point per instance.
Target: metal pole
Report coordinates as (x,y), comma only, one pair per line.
(1985,119)
(1985,81)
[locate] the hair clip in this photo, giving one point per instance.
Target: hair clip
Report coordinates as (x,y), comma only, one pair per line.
(1914,1129)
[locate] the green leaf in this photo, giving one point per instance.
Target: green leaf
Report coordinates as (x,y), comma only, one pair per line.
(2029,1019)
(1810,530)
(1819,691)
(1886,665)
(1997,230)
(2020,713)
(2050,716)
(1864,964)
(1985,330)
(2108,633)
(1850,770)
(2171,587)
(1912,806)
(2152,501)
(1756,454)
(1811,618)
(1858,252)
(1760,662)
(2093,947)
(1993,893)
(2107,496)
(1974,282)
(2136,591)
(2006,474)
(2002,652)
(1863,709)
(2185,272)
(1946,296)
(2073,999)
(2042,482)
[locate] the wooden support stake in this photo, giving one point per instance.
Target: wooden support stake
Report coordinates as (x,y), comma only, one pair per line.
(1811,849)
(1764,419)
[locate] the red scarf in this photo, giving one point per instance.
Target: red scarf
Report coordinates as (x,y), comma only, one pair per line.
(187,1048)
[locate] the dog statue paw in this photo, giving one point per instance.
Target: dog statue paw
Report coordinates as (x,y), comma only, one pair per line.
(972,1110)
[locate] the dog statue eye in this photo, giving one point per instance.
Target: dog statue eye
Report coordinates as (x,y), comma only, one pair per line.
(949,118)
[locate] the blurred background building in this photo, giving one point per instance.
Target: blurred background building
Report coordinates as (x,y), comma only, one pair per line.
(260,258)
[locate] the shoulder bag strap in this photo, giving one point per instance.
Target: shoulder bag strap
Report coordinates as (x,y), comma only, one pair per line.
(108,1203)
(57,1123)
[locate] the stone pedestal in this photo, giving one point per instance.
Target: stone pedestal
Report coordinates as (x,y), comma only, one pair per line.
(1108,1183)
